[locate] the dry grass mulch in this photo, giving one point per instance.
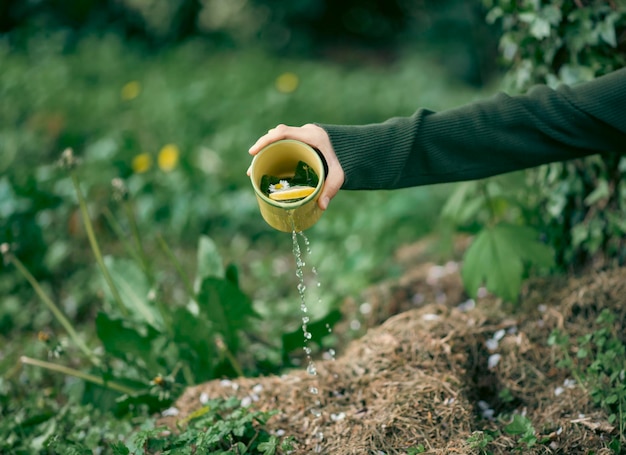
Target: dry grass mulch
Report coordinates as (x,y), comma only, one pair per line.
(434,373)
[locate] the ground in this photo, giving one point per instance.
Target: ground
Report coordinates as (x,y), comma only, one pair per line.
(438,371)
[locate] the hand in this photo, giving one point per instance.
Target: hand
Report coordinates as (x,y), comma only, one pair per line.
(316,137)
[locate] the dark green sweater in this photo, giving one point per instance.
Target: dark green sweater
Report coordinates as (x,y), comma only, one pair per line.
(494,136)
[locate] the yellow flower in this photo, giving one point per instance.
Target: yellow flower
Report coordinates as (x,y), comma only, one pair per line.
(168,157)
(130,90)
(141,163)
(287,82)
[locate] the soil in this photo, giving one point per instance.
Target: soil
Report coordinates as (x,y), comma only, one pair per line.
(436,369)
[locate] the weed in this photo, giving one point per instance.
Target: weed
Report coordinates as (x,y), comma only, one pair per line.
(599,365)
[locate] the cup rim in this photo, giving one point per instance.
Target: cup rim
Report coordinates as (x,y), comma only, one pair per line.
(288,205)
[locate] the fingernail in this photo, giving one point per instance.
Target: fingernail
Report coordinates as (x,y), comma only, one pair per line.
(325,201)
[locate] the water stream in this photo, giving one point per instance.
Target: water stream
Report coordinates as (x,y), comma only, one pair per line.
(306,319)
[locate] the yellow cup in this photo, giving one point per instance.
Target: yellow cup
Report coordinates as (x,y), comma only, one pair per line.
(280,159)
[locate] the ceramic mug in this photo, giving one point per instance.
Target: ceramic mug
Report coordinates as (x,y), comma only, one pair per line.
(280,159)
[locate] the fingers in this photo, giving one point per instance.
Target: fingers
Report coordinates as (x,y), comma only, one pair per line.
(316,137)
(331,188)
(310,134)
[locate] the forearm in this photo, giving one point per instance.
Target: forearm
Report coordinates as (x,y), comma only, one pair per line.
(491,137)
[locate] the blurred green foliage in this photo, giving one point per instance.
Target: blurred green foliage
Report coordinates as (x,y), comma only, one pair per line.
(161,139)
(347,30)
(577,207)
(582,203)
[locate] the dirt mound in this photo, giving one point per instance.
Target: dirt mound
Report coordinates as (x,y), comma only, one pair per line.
(437,373)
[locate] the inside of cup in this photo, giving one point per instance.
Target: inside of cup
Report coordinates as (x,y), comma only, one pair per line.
(280,159)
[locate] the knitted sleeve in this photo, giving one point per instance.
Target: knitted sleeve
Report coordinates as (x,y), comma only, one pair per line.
(501,134)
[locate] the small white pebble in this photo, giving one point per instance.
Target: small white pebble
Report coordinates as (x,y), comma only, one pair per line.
(245,402)
(280,432)
(569,383)
(491,344)
(355,324)
(493,361)
(338,417)
(365,308)
(257,388)
(558,391)
(483,405)
(467,305)
(170,412)
(254,397)
(542,308)
(226,382)
(499,334)
(204,398)
(431,317)
(482,292)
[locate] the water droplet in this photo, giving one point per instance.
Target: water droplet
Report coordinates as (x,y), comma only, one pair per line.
(311,369)
(305,320)
(308,335)
(313,390)
(301,288)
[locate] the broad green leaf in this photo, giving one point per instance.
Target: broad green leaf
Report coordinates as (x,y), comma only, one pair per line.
(192,335)
(497,257)
(121,337)
(318,329)
(606,29)
(462,203)
(228,308)
(134,290)
(601,191)
(519,426)
(209,260)
(540,28)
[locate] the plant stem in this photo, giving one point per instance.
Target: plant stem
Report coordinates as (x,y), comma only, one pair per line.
(94,245)
(58,314)
(485,191)
(135,230)
(183,276)
(78,374)
(121,235)
(233,362)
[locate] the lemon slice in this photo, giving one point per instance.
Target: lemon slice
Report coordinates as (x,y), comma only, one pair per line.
(295,192)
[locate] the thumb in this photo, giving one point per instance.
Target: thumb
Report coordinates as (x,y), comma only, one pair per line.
(330,189)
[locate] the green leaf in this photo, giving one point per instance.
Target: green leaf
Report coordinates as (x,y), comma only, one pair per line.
(134,290)
(318,329)
(121,337)
(227,307)
(269,447)
(497,257)
(600,192)
(519,426)
(462,204)
(119,448)
(209,260)
(195,345)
